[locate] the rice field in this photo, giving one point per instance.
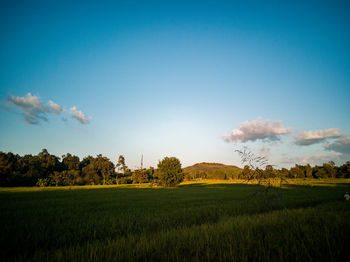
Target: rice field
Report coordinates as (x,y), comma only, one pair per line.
(305,220)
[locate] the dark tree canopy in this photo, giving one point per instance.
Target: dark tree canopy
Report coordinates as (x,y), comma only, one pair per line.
(98,170)
(70,162)
(170,172)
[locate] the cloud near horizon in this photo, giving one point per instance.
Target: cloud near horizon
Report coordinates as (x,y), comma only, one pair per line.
(264,151)
(34,110)
(341,145)
(313,137)
(257,130)
(315,159)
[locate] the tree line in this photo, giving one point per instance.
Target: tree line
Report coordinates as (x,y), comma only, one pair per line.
(45,169)
(327,170)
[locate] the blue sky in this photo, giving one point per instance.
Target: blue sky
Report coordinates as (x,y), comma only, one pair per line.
(171,79)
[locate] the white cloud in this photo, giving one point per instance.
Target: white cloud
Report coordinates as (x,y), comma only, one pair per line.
(26,102)
(257,129)
(312,137)
(341,145)
(55,108)
(78,114)
(33,109)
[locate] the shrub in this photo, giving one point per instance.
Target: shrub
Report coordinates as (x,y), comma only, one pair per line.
(43,182)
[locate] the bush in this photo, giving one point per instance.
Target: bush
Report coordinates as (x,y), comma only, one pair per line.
(43,182)
(170,172)
(108,181)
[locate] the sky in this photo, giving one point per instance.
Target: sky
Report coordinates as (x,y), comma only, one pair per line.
(191,79)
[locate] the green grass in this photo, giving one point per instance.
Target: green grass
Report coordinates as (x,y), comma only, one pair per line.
(307,220)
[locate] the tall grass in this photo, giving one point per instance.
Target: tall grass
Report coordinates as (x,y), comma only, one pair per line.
(201,221)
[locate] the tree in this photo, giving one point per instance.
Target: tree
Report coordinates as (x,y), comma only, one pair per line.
(247,173)
(70,162)
(344,170)
(297,171)
(48,163)
(284,173)
(269,171)
(121,167)
(319,172)
(104,167)
(121,164)
(150,173)
(329,169)
(97,170)
(170,172)
(8,168)
(139,176)
(308,171)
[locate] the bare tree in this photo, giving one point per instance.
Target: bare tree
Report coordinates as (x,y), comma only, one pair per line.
(256,165)
(258,170)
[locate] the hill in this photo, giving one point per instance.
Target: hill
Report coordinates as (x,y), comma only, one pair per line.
(211,171)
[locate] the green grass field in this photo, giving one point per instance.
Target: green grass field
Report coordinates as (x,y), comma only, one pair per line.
(198,221)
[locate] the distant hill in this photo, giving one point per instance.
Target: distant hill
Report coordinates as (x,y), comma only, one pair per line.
(211,171)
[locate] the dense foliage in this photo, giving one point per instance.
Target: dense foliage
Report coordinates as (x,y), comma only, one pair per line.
(45,169)
(170,172)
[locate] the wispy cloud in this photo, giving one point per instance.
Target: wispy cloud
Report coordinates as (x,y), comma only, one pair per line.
(315,159)
(341,145)
(313,137)
(78,114)
(264,151)
(33,109)
(257,130)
